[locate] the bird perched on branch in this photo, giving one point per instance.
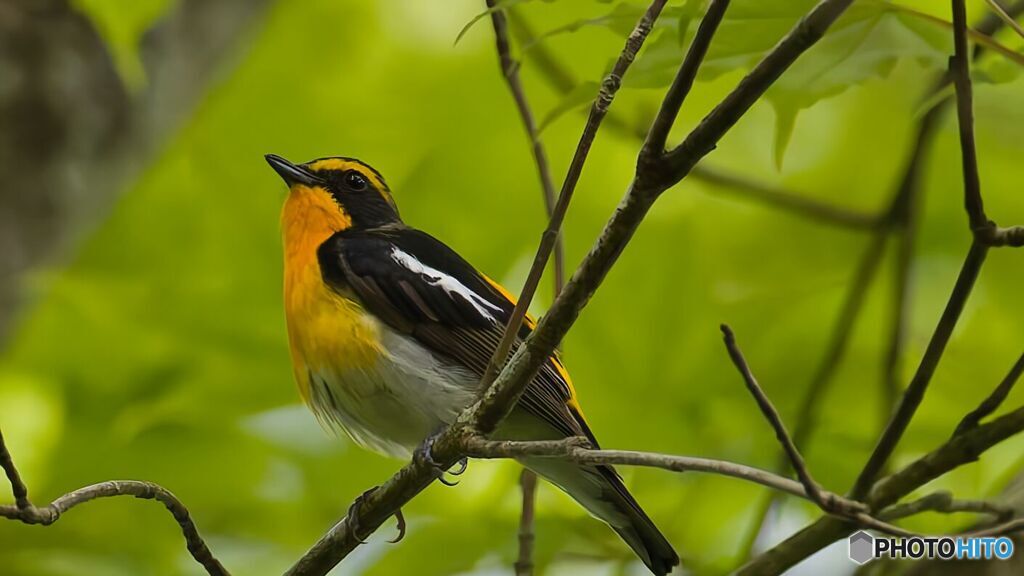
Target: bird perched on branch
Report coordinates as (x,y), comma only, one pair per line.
(390,331)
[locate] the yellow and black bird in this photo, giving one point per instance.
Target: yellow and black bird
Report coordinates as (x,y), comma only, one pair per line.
(390,331)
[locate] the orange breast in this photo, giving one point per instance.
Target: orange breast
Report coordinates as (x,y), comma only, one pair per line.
(327,332)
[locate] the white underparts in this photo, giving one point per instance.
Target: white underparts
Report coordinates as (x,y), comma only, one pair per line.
(392,406)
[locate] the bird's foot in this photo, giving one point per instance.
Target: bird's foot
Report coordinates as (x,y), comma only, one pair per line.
(423,454)
(352,517)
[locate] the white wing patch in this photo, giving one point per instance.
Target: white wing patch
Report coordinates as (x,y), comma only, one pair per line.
(445,282)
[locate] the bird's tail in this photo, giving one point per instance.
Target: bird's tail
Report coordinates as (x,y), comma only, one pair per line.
(600,490)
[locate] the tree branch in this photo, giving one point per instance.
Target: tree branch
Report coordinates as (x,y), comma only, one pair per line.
(510,71)
(956,452)
(703,139)
(914,394)
(899,219)
(902,220)
(782,199)
(959,67)
(18,487)
(985,231)
(528,483)
(598,110)
(772,415)
(994,400)
(25,512)
(943,501)
(648,184)
(654,145)
(578,451)
(986,234)
(1005,17)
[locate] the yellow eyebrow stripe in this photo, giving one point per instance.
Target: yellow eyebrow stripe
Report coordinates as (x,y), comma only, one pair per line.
(333,164)
(343,165)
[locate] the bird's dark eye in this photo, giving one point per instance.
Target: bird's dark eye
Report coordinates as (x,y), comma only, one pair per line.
(355,181)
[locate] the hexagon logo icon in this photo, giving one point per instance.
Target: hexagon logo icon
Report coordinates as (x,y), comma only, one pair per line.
(862,547)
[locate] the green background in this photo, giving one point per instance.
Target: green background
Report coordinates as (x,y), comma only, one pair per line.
(156,348)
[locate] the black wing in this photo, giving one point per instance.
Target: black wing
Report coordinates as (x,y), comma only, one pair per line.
(421,287)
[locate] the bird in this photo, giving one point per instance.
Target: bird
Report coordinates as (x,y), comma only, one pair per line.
(390,331)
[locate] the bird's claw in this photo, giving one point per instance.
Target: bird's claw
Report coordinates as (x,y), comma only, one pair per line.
(462,464)
(352,517)
(423,454)
(400,524)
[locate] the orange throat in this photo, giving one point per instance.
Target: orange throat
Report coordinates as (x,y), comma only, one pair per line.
(314,313)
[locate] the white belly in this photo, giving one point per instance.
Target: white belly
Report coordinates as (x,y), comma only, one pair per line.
(392,406)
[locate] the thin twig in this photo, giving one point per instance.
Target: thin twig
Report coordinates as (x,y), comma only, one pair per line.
(867,268)
(598,110)
(510,71)
(904,218)
(986,234)
(528,484)
(915,391)
(783,199)
(1006,18)
(943,501)
(1008,527)
(18,487)
(994,400)
(49,514)
(578,451)
(654,145)
(510,68)
(985,230)
(702,140)
(954,453)
(772,415)
(959,67)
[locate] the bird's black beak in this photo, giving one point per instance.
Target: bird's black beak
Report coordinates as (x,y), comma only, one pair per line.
(292,173)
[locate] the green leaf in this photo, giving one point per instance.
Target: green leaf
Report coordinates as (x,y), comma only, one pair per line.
(621,20)
(688,12)
(785,121)
(862,50)
(501,5)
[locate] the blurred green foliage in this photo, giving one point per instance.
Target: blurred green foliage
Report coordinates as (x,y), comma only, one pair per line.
(158,351)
